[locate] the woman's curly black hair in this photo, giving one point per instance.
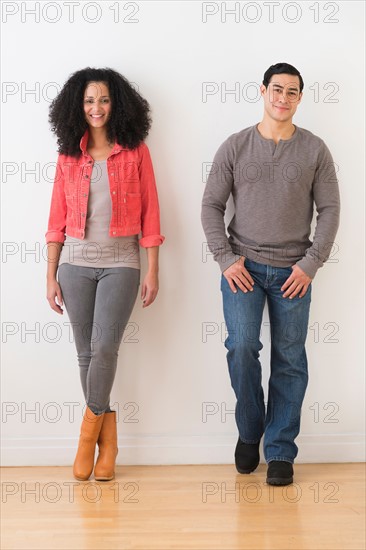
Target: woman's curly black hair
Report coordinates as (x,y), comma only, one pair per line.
(128,124)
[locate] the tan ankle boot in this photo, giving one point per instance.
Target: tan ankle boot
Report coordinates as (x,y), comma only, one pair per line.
(89,433)
(108,449)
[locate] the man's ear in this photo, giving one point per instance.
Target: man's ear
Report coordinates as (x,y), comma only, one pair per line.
(300,98)
(262,89)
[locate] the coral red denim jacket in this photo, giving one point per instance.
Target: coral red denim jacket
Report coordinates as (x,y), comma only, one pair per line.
(135,205)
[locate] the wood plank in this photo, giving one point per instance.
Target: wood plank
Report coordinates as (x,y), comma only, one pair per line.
(184,507)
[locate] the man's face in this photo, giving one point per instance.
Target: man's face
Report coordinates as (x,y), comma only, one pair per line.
(282,96)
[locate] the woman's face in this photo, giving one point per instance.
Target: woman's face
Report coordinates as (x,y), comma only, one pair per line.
(97,104)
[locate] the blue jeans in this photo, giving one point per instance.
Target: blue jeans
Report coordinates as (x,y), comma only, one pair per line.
(243,312)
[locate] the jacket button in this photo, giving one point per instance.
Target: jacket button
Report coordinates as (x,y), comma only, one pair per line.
(83,215)
(113,192)
(114,232)
(86,176)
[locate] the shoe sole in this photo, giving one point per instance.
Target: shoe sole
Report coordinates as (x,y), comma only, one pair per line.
(247,471)
(279,480)
(82,478)
(104,478)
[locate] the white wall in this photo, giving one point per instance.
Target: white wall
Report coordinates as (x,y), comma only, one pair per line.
(175,370)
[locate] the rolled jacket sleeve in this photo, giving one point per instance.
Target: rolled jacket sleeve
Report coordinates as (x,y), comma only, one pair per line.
(150,212)
(58,209)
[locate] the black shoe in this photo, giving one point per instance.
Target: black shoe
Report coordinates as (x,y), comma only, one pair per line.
(246,456)
(279,473)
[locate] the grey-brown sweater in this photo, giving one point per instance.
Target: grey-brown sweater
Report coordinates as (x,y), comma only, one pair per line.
(274,188)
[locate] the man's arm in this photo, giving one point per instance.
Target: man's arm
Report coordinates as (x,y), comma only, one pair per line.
(326,198)
(217,191)
(216,195)
(327,201)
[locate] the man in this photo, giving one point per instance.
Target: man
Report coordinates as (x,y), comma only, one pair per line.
(275,172)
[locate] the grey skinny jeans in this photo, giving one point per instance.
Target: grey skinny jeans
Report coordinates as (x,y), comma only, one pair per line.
(99,302)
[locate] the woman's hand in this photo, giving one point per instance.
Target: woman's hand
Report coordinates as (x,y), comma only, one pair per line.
(53,291)
(150,288)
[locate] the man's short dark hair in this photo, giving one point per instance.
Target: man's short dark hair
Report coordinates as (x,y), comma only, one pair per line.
(281,68)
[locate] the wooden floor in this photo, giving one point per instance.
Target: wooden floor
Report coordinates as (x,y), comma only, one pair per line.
(184,507)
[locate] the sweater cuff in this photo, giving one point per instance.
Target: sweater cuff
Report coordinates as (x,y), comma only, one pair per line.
(308,266)
(229,259)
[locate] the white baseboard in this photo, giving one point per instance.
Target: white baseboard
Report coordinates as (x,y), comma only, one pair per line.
(164,450)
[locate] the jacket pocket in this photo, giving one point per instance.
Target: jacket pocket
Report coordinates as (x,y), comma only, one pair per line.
(133,208)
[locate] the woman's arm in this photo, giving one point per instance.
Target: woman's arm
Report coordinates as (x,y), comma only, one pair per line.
(53,288)
(150,285)
(150,227)
(150,211)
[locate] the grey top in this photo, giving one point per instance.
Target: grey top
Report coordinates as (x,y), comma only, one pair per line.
(98,249)
(274,188)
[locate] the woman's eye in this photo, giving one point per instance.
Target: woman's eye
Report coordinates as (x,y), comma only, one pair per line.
(92,101)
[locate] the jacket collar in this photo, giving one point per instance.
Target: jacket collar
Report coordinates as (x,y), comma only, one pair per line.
(84,143)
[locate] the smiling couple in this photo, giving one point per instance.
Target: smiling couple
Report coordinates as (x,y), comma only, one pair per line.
(105,195)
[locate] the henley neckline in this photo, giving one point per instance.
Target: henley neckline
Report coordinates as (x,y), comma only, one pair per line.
(294,135)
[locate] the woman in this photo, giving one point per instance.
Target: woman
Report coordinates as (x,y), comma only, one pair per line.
(104,205)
